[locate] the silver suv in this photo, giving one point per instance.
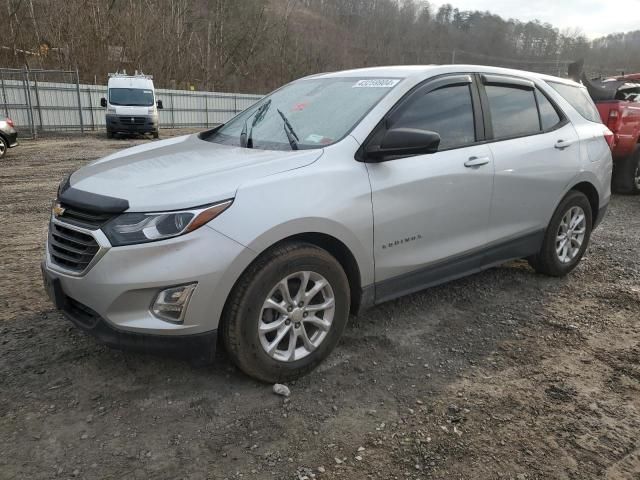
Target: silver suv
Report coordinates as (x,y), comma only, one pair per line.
(334,193)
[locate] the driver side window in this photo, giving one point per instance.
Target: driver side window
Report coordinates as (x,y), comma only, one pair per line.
(447,111)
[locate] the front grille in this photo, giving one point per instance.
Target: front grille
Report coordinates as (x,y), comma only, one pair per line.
(132,120)
(71,249)
(84,218)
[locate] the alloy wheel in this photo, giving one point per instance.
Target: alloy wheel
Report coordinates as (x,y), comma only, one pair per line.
(296,316)
(571,233)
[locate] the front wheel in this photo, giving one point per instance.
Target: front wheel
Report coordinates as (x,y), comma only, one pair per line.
(566,238)
(156,134)
(287,312)
(4,146)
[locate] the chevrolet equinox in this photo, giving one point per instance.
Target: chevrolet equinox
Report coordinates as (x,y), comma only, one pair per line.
(336,192)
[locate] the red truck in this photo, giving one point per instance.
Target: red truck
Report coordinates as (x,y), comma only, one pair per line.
(618,101)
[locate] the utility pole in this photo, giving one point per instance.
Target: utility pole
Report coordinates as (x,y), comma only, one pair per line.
(453,56)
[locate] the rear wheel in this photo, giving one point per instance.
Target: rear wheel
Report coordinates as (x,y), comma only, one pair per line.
(156,134)
(4,146)
(109,134)
(287,312)
(566,238)
(626,174)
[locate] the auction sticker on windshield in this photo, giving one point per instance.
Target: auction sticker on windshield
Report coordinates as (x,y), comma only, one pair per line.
(376,83)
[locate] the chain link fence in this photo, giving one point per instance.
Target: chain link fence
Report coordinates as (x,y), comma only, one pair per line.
(42,101)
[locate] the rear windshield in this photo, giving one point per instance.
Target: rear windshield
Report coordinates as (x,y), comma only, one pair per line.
(315,112)
(132,97)
(579,99)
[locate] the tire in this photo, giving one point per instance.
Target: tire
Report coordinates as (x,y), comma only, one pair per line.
(4,146)
(156,134)
(109,134)
(548,260)
(626,174)
(245,312)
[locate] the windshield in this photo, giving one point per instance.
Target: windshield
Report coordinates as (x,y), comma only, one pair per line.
(132,97)
(313,112)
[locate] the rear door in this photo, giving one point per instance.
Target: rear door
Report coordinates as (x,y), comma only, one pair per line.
(431,210)
(536,155)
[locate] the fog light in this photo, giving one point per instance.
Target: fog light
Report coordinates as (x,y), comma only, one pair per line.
(171,303)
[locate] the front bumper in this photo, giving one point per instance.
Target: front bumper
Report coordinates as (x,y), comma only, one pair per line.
(131,124)
(12,138)
(120,286)
(198,348)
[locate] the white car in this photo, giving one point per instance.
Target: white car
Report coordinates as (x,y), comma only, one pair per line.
(334,193)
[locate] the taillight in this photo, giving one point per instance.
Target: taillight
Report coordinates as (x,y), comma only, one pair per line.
(10,123)
(612,120)
(610,137)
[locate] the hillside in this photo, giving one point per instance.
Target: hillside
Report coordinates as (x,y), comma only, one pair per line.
(256,45)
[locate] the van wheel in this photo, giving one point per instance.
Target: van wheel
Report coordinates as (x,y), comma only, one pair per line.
(4,146)
(566,238)
(109,134)
(156,134)
(286,313)
(626,174)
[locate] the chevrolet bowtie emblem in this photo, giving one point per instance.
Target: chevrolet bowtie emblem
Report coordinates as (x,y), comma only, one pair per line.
(58,209)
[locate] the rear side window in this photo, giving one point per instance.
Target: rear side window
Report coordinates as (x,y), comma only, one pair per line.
(513,111)
(447,111)
(549,116)
(579,99)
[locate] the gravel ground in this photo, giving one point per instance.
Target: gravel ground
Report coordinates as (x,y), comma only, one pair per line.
(505,374)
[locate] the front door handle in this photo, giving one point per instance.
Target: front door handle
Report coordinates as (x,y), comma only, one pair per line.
(562,144)
(476,162)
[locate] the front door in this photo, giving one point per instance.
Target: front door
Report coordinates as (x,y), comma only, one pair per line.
(431,211)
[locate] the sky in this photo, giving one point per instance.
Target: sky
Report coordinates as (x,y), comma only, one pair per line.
(595,18)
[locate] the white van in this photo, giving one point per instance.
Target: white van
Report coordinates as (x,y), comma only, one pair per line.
(131,104)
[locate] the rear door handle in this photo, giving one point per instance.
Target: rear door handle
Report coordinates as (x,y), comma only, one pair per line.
(476,161)
(562,144)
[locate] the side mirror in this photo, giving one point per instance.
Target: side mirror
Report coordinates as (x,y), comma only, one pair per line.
(404,142)
(103,102)
(159,104)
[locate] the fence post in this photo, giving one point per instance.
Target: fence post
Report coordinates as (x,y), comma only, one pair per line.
(173,118)
(4,94)
(93,122)
(27,91)
(35,83)
(235,104)
(206,109)
(79,101)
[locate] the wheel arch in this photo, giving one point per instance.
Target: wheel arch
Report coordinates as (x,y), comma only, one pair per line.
(591,192)
(335,247)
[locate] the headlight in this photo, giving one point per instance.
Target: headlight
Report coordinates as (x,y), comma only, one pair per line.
(130,228)
(111,110)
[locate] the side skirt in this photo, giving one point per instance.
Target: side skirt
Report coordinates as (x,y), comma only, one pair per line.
(458,266)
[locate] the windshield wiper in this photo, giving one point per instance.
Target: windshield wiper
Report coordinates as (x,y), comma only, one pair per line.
(290,132)
(246,141)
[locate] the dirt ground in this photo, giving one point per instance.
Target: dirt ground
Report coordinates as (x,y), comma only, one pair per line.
(505,374)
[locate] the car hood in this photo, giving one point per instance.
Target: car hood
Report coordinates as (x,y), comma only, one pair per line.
(182,172)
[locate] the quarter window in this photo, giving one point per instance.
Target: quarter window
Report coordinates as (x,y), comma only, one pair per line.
(447,111)
(513,111)
(579,99)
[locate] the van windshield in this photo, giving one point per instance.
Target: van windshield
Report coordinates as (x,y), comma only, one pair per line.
(132,97)
(314,112)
